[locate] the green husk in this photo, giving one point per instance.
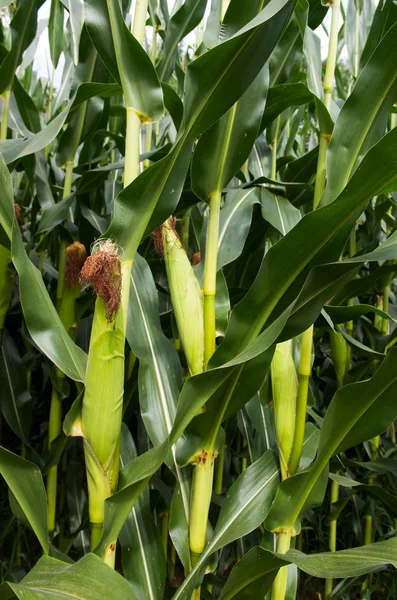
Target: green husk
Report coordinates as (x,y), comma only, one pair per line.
(285,388)
(187,298)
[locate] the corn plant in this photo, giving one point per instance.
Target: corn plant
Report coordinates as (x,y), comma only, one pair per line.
(198,302)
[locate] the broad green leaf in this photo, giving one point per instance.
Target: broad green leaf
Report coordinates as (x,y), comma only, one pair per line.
(364,115)
(319,237)
(159,376)
(87,90)
(213,23)
(312,50)
(245,507)
(237,15)
(27,107)
(159,368)
(387,499)
(179,527)
(281,97)
(385,17)
(23,29)
(199,389)
(234,223)
(55,215)
(85,579)
(223,67)
(55,31)
(42,320)
(15,399)
(181,23)
(76,19)
(26,483)
(125,58)
(225,146)
(247,51)
(363,23)
(341,314)
(12,150)
(73,134)
(358,412)
(279,212)
(255,572)
(132,481)
(143,554)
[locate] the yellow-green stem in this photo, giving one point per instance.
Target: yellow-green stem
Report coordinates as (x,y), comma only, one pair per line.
(304,365)
(301,401)
(149,126)
(4,115)
(53,432)
(131,165)
(139,22)
(280,583)
(332,52)
(368,523)
(209,288)
(331,536)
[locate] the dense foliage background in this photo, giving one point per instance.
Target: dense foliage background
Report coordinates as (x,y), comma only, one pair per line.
(234,117)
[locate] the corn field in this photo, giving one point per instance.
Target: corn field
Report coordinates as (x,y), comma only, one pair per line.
(198,311)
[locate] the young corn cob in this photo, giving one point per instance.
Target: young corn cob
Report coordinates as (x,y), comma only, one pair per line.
(187,298)
(285,387)
(103,399)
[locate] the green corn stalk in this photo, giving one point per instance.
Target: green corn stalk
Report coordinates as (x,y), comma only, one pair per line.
(75,255)
(102,407)
(187,298)
(283,543)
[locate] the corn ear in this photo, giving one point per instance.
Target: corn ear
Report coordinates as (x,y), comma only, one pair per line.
(102,407)
(6,283)
(187,298)
(103,398)
(284,388)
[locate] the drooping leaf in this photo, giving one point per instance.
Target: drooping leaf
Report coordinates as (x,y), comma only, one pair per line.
(15,399)
(368,412)
(255,572)
(26,484)
(245,507)
(85,579)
